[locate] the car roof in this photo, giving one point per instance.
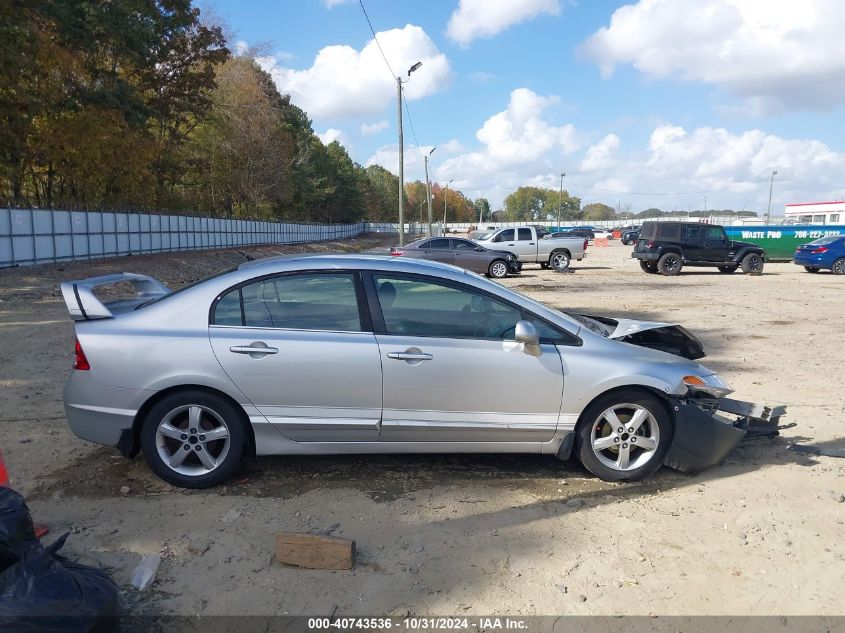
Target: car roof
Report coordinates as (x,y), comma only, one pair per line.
(343,260)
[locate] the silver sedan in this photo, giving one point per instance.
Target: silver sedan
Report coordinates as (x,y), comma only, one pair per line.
(366,354)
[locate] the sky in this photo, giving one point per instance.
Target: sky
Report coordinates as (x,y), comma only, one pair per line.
(675,104)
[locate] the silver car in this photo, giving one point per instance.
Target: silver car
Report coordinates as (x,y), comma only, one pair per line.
(365,354)
(462,253)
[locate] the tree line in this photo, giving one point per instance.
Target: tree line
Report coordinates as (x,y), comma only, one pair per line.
(140,104)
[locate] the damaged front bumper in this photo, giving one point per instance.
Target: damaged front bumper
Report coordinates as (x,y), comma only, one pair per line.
(706,430)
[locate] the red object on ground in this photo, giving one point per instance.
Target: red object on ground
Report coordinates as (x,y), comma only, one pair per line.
(4,474)
(40,529)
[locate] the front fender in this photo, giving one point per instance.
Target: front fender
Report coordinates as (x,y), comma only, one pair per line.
(741,253)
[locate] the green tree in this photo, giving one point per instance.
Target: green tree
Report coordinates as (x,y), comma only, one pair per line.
(598,211)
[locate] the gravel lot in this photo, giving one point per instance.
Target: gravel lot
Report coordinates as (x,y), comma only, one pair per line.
(760,534)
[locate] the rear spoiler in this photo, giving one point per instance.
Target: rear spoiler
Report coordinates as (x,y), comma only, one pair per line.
(84,305)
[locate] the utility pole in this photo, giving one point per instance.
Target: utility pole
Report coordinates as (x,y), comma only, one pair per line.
(445,196)
(771,184)
(560,199)
(402,154)
(428,190)
(705,204)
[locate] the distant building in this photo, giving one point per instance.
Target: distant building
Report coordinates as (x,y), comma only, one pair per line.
(815,213)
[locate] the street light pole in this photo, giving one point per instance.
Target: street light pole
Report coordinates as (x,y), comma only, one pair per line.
(560,199)
(399,83)
(445,196)
(771,184)
(428,190)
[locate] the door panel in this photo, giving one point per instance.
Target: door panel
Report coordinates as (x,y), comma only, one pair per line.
(319,387)
(525,245)
(452,371)
(467,257)
(438,250)
(469,390)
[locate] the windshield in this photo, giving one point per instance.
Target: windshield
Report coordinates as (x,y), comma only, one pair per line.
(485,236)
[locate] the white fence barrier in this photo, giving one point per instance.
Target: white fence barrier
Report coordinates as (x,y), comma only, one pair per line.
(43,236)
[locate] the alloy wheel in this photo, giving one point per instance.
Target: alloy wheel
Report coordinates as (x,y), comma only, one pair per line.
(192,440)
(625,437)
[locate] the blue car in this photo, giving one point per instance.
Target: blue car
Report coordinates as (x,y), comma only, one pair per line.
(826,252)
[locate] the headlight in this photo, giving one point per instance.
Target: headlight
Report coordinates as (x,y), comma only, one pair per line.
(713,385)
(510,257)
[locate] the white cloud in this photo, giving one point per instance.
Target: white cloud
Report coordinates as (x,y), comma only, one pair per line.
(733,168)
(775,54)
(330,4)
(601,155)
(344,82)
(368,129)
(485,18)
(388,157)
(333,134)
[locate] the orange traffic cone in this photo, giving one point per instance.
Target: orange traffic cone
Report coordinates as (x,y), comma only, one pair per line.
(4,474)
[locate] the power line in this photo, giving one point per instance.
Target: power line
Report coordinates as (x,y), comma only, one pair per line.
(373,31)
(411,122)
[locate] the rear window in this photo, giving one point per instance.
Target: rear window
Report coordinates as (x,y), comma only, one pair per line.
(830,239)
(647,232)
(670,231)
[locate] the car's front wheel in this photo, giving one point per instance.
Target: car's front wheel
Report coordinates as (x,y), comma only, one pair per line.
(752,264)
(648,267)
(194,439)
(498,269)
(811,269)
(624,435)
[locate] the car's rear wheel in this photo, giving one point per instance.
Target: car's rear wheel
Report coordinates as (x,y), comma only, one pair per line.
(194,439)
(559,260)
(648,267)
(727,269)
(838,267)
(811,269)
(670,264)
(752,263)
(624,436)
(498,269)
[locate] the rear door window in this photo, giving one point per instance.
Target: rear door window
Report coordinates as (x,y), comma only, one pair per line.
(439,244)
(670,232)
(524,235)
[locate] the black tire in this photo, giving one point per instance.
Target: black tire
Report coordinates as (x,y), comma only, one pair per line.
(727,269)
(838,267)
(648,267)
(811,269)
(498,269)
(752,264)
(544,265)
(670,264)
(227,415)
(560,260)
(626,400)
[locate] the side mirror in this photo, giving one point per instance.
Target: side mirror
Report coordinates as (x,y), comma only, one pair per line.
(479,249)
(527,334)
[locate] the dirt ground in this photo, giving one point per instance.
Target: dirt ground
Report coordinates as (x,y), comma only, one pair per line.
(469,535)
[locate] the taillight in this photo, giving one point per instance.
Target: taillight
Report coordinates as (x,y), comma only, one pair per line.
(80,362)
(395,252)
(819,250)
(651,243)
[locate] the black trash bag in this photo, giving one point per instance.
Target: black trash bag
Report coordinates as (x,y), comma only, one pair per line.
(17,534)
(43,592)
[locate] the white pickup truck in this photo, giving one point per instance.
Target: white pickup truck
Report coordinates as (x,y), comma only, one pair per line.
(526,244)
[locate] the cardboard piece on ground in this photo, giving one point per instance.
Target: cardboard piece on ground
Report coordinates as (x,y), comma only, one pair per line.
(314,552)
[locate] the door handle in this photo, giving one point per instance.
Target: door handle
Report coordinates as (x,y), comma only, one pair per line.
(409,356)
(530,243)
(254,350)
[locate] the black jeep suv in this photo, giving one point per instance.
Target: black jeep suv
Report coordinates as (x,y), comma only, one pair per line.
(666,247)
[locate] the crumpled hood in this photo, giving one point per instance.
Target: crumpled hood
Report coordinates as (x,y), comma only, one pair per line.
(665,337)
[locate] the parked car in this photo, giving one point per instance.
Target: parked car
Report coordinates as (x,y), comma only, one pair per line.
(339,354)
(585,233)
(463,253)
(602,234)
(525,243)
(826,253)
(630,236)
(666,247)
